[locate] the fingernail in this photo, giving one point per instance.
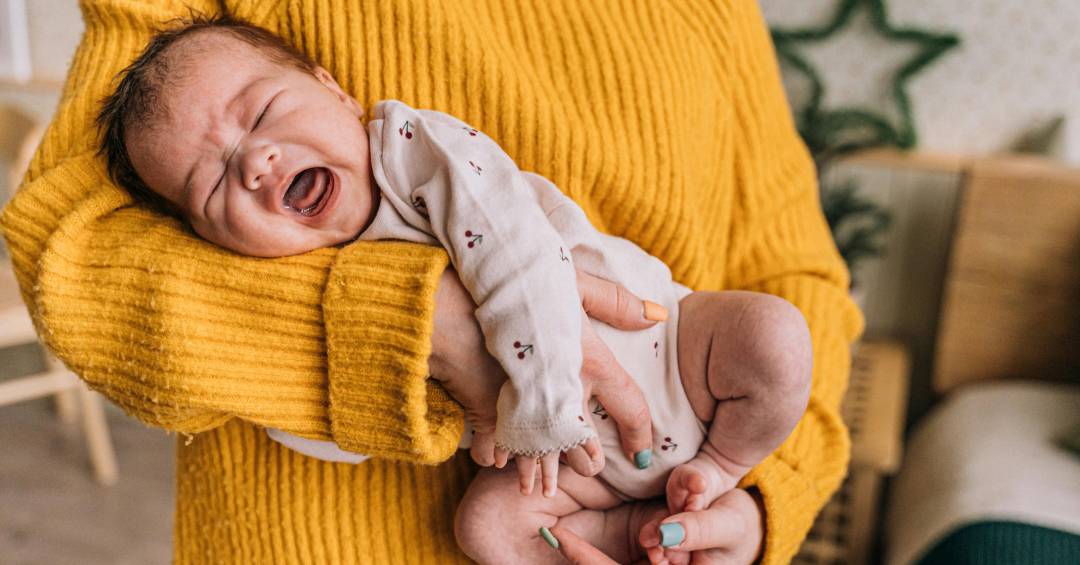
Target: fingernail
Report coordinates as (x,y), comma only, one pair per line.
(643,459)
(548,537)
(671,534)
(655,312)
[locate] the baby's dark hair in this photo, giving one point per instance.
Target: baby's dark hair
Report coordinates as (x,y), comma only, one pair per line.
(137,96)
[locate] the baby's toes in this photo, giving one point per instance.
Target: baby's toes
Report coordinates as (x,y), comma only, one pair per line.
(686,488)
(655,554)
(677,557)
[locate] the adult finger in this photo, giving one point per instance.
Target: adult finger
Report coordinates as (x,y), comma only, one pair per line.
(612,303)
(577,550)
(620,396)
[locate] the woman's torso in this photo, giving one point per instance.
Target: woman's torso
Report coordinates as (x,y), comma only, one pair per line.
(621,105)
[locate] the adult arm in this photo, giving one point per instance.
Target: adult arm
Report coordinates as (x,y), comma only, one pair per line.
(780,244)
(329,345)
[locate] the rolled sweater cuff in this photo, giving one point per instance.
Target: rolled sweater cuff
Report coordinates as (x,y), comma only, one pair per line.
(791,494)
(379,309)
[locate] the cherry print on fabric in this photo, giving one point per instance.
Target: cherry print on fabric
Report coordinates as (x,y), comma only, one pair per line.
(420,205)
(669,445)
(476,168)
(471,131)
(599,411)
(656,348)
(475,238)
(523,349)
(406,130)
(562,255)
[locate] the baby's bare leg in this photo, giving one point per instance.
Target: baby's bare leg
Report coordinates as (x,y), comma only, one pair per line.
(745,359)
(495,523)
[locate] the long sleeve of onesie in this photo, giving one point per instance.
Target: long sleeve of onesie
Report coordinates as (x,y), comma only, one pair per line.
(445,183)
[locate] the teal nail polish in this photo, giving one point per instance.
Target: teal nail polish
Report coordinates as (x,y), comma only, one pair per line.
(671,534)
(548,537)
(643,459)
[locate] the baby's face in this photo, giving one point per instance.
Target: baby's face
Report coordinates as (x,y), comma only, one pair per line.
(262,158)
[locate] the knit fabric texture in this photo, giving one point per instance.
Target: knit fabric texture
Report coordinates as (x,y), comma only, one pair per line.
(994,541)
(665,121)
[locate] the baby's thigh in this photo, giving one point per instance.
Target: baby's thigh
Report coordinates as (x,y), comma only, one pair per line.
(495,521)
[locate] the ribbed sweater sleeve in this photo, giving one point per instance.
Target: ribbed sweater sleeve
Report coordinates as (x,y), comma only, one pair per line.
(183,335)
(780,244)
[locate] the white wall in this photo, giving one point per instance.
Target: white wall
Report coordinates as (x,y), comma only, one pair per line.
(55,28)
(1018,66)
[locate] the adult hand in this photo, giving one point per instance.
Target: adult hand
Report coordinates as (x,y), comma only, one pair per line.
(578,551)
(473,377)
(730,531)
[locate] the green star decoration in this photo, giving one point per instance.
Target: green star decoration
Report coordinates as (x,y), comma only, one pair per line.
(829,133)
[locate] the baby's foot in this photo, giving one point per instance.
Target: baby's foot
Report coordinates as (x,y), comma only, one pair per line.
(694,485)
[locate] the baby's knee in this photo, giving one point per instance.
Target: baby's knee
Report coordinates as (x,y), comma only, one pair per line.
(776,343)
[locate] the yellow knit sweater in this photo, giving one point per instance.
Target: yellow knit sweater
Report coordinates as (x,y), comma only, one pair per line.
(664,120)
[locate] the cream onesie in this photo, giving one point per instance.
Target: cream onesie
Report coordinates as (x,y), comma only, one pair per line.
(515,240)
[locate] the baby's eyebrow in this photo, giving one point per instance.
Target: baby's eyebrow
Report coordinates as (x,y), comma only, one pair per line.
(189,179)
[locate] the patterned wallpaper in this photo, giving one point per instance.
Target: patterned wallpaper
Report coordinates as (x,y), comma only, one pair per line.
(1018,67)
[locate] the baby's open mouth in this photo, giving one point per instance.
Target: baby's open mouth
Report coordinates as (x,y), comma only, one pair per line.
(308,191)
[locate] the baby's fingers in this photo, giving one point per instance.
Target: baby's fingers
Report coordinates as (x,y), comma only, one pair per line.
(483,449)
(526,468)
(501,457)
(549,473)
(587,459)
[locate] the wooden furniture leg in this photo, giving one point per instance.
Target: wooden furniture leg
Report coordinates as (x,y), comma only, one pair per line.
(66,401)
(98,442)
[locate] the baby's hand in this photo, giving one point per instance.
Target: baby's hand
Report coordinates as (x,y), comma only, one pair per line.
(586,460)
(478,396)
(460,362)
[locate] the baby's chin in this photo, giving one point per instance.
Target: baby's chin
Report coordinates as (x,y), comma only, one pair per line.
(355,207)
(273,250)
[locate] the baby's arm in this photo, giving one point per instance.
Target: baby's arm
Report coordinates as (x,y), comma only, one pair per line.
(450,181)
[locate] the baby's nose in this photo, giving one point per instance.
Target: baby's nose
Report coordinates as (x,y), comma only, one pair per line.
(258,165)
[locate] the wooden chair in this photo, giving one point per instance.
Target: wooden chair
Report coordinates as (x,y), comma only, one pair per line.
(1010,307)
(874,411)
(1007,371)
(18,135)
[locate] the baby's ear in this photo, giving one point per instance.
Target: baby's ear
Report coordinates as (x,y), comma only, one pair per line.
(328,81)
